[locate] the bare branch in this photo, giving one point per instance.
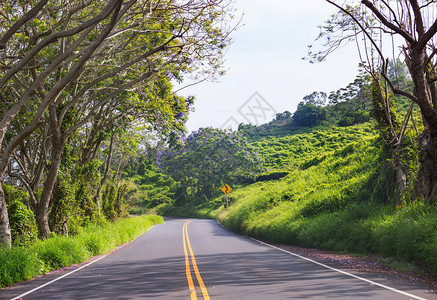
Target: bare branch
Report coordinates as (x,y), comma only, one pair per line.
(387,23)
(418,18)
(360,25)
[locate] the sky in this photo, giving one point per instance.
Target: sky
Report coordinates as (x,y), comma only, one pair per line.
(265,70)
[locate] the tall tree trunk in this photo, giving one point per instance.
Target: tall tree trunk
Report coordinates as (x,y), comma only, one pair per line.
(427,177)
(106,175)
(401,185)
(5,230)
(42,213)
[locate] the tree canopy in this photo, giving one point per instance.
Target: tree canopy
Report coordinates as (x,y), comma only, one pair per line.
(308,114)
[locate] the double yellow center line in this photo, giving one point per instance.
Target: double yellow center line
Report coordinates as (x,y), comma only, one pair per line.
(186,242)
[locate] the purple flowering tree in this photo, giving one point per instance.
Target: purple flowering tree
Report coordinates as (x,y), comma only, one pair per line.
(207,159)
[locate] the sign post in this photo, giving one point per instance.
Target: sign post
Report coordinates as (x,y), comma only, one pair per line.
(226,190)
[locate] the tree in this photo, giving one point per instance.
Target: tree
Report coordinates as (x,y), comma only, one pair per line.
(316,98)
(308,115)
(209,158)
(281,116)
(376,25)
(397,73)
(351,105)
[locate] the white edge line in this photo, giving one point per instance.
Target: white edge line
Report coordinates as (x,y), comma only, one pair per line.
(68,274)
(336,270)
(56,279)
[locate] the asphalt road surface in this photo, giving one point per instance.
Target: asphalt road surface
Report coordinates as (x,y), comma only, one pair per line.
(199,259)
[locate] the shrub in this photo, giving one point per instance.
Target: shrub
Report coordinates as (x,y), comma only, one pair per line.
(22,222)
(21,218)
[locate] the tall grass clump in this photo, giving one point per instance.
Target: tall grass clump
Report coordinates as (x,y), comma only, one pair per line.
(19,263)
(410,233)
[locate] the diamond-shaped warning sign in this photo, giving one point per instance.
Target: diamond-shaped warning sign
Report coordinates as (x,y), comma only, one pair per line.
(226,189)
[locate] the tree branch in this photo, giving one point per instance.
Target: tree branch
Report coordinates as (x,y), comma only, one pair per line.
(387,23)
(54,37)
(427,36)
(26,17)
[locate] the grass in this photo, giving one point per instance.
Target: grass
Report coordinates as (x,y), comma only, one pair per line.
(18,263)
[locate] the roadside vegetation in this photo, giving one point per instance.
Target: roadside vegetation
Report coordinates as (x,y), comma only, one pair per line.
(83,95)
(22,263)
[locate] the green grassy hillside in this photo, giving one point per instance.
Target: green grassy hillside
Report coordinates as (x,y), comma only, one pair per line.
(283,153)
(337,196)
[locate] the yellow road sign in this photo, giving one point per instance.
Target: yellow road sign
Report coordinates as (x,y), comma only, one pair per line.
(226,189)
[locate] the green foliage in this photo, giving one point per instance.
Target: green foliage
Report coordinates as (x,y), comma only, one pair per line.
(309,115)
(151,187)
(316,98)
(118,103)
(87,179)
(73,204)
(113,201)
(19,263)
(298,149)
(386,117)
(60,251)
(349,114)
(283,116)
(22,222)
(108,199)
(65,213)
(13,193)
(271,176)
(21,218)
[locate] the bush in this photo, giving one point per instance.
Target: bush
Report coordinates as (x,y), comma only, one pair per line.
(22,221)
(21,218)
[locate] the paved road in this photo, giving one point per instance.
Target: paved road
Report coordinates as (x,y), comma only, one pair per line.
(198,259)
